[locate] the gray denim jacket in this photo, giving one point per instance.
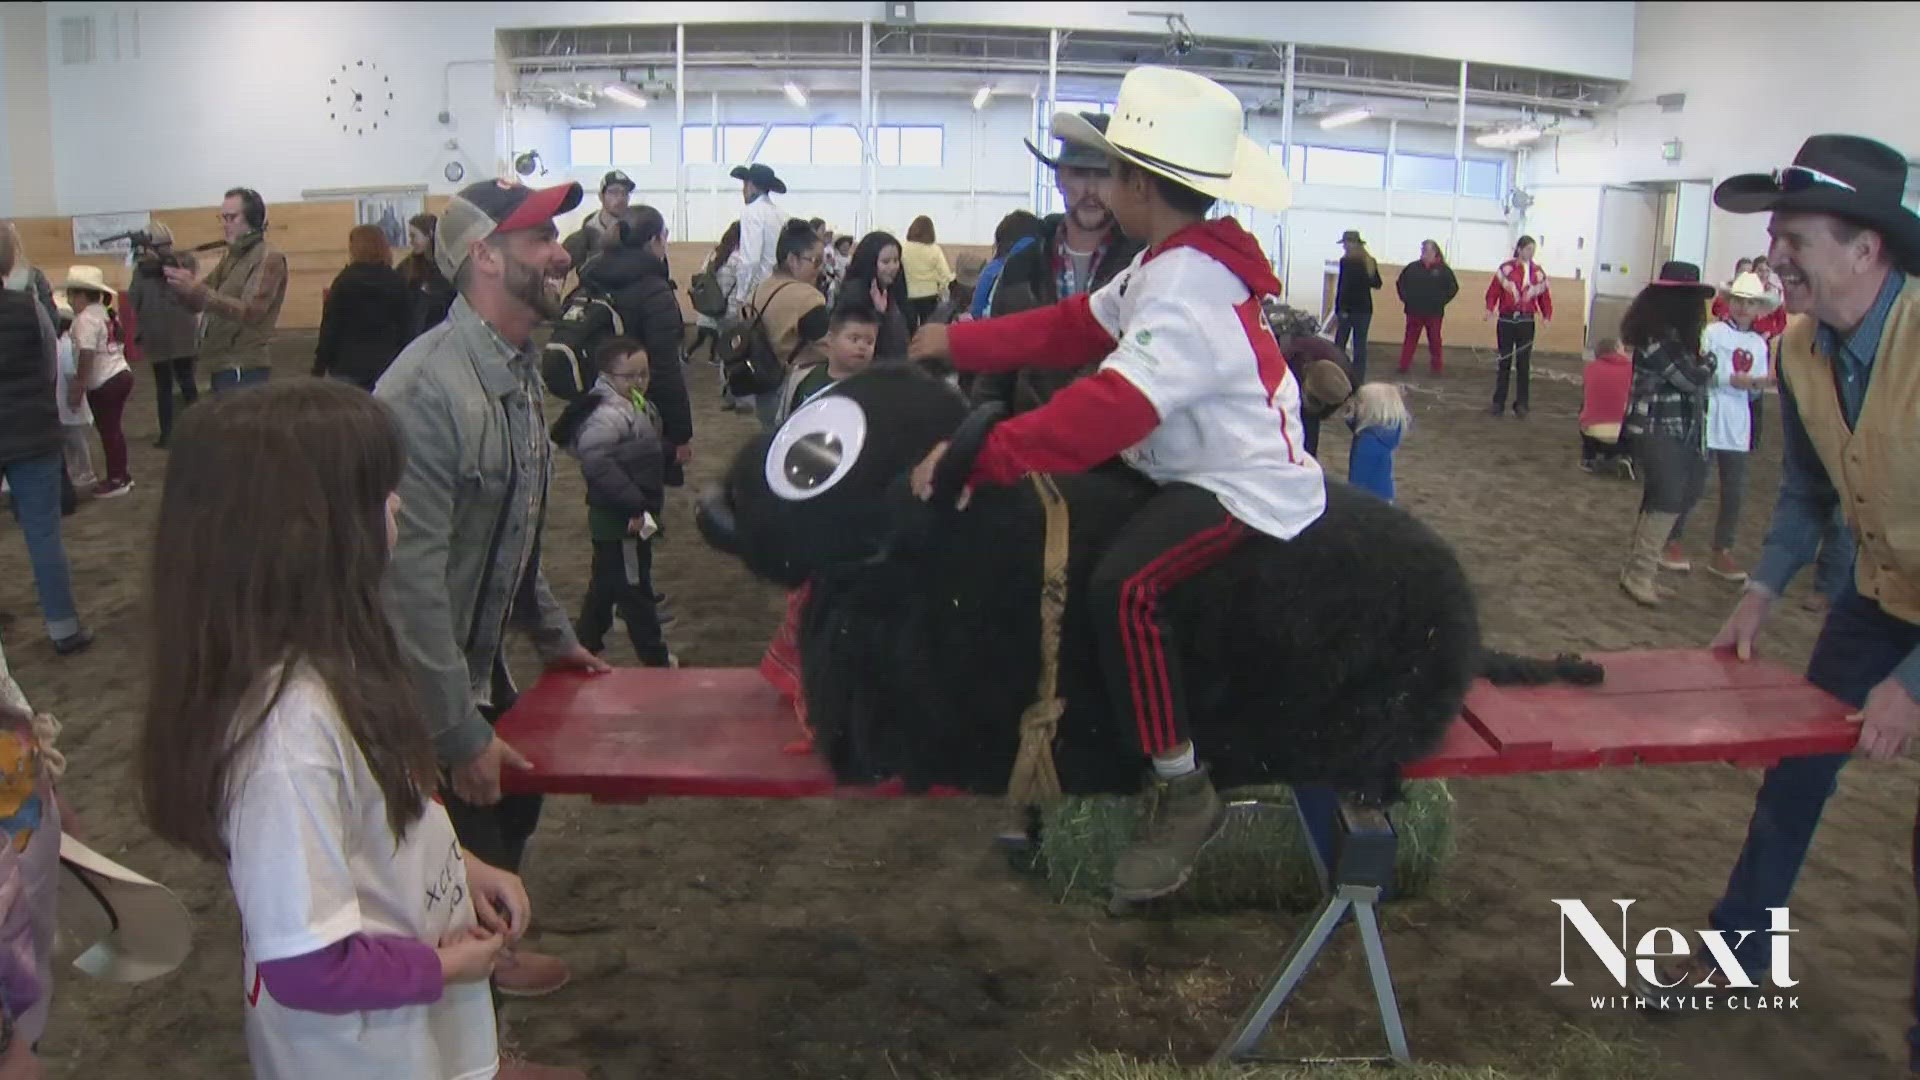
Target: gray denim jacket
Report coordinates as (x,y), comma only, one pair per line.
(473,499)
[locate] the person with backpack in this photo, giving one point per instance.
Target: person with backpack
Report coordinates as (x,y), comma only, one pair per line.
(786,318)
(631,272)
(709,290)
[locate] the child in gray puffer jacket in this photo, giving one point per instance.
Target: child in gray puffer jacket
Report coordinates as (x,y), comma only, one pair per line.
(614,432)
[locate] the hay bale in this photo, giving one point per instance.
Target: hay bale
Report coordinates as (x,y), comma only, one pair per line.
(1118,1067)
(1260,859)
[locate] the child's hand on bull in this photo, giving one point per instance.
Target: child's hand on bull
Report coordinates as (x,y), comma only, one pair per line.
(923,473)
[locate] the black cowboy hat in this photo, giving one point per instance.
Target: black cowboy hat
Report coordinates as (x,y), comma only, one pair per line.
(1681,275)
(1076,155)
(1850,177)
(761,177)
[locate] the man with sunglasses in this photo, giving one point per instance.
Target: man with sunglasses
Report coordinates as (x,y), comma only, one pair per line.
(1843,246)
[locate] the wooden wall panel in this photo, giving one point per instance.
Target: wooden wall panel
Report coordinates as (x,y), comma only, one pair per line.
(1465,324)
(313,235)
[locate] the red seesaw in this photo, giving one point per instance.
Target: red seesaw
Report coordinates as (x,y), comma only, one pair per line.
(642,733)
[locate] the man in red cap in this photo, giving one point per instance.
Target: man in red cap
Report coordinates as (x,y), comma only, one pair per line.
(468,398)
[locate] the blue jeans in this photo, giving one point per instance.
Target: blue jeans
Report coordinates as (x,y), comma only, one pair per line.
(228,378)
(36,505)
(1833,570)
(1859,647)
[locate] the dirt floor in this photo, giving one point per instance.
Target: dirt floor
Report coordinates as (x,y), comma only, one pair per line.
(795,939)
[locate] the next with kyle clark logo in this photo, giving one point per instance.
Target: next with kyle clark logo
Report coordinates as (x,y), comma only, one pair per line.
(1729,987)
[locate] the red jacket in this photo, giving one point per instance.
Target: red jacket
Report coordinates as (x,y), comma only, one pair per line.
(1093,418)
(1604,386)
(1519,289)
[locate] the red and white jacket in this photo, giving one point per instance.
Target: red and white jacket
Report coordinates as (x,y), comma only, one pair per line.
(1192,386)
(1519,288)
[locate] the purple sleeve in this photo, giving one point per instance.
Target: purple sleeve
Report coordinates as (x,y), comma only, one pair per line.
(356,974)
(20,985)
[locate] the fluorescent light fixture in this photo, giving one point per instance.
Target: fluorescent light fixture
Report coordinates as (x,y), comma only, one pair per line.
(1344,117)
(1509,138)
(795,95)
(568,98)
(980,97)
(624,94)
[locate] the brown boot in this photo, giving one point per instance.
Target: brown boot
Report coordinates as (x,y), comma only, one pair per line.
(1643,560)
(1182,815)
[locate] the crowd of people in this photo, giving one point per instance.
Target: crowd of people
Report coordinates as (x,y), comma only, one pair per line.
(1134,325)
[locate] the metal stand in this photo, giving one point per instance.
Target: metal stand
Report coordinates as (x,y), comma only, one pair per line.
(1363,858)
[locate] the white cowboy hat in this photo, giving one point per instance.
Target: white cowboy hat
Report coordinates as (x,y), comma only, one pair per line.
(1748,286)
(1189,129)
(90,278)
(139,930)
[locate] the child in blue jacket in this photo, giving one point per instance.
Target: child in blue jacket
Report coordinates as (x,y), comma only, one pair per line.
(1378,419)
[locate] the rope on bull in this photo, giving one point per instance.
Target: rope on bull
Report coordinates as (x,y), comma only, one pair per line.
(1034,775)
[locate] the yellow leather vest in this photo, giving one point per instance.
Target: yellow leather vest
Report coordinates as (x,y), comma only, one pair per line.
(1875,466)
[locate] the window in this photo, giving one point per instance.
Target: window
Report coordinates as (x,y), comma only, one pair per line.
(632,146)
(1485,179)
(923,146)
(836,144)
(696,144)
(1423,172)
(590,146)
(736,142)
(886,145)
(1346,168)
(597,146)
(787,144)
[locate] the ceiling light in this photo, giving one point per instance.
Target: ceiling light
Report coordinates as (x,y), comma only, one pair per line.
(980,97)
(568,98)
(795,95)
(1509,138)
(625,95)
(1344,117)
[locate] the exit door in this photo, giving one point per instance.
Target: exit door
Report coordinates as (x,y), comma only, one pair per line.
(1629,223)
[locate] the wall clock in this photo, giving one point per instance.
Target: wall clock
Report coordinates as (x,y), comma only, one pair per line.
(359,98)
(454,172)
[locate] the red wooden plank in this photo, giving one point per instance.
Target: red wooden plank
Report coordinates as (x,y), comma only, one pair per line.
(642,732)
(724,733)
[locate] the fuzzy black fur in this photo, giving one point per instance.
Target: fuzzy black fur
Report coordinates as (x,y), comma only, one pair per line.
(1337,656)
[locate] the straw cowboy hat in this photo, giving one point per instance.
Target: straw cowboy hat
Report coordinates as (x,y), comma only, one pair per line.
(1748,286)
(1850,177)
(89,278)
(1188,129)
(139,929)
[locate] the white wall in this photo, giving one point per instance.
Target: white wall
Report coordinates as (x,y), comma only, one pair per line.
(230,94)
(26,177)
(1759,79)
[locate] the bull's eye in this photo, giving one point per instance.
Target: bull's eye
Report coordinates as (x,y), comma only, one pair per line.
(817,446)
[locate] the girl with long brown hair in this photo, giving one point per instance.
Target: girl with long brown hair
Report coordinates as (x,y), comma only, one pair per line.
(282,740)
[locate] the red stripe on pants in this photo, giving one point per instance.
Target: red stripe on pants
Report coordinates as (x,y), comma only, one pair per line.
(1140,633)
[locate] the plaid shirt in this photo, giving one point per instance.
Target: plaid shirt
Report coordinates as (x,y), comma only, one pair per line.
(1670,392)
(1064,277)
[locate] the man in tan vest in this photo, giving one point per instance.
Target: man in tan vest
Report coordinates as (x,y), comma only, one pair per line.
(241,296)
(1843,246)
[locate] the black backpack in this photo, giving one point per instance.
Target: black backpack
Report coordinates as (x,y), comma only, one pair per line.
(568,363)
(708,297)
(747,357)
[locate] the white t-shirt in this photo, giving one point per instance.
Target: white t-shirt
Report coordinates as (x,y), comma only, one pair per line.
(314,861)
(1735,352)
(90,331)
(1193,340)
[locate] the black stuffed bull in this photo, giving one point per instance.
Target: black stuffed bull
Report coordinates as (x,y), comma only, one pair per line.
(1335,657)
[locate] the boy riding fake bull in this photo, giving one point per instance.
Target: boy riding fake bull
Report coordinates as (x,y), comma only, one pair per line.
(1193,392)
